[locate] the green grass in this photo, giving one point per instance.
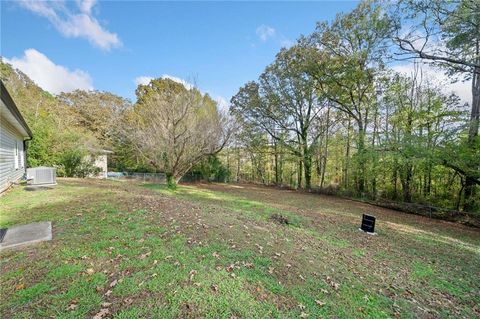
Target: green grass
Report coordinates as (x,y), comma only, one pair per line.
(253,209)
(200,252)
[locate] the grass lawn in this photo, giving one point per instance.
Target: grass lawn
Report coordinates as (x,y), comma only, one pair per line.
(127,250)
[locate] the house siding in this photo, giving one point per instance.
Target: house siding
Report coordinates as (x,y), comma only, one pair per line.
(9,137)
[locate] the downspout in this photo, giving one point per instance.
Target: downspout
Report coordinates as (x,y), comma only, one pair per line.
(25,148)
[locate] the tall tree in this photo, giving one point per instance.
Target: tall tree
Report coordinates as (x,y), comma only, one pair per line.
(285,103)
(447,33)
(99,112)
(349,53)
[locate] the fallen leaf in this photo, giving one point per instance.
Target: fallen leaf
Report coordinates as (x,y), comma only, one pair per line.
(101,314)
(303,315)
(72,306)
(106,304)
(90,271)
(108,293)
(319,302)
(19,287)
(143,256)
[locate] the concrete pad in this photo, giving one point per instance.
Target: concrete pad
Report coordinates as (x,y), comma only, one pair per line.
(27,234)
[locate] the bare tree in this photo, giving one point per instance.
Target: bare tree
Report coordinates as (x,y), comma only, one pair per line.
(174,128)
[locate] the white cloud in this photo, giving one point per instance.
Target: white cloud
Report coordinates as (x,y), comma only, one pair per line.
(264,32)
(49,76)
(86,5)
(144,80)
(186,84)
(71,24)
(462,89)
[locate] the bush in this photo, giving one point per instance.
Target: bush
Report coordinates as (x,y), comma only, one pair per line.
(76,163)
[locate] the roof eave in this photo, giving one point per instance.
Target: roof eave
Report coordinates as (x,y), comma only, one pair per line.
(7,99)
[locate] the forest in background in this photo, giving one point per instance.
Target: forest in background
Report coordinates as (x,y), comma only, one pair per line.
(328,114)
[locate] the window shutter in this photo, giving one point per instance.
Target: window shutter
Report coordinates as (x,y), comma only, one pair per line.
(15,157)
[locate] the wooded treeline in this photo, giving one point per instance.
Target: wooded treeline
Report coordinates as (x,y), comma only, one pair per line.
(330,112)
(170,128)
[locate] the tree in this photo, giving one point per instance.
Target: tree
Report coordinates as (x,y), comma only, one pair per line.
(286,105)
(57,128)
(447,34)
(99,112)
(421,120)
(174,128)
(349,53)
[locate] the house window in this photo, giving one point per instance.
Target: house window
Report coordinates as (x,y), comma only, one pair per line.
(15,158)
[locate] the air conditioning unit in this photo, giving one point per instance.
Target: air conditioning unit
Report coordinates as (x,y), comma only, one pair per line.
(42,176)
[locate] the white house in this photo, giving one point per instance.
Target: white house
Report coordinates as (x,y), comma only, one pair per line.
(14,131)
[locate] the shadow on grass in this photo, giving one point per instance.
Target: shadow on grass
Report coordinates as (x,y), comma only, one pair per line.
(255,209)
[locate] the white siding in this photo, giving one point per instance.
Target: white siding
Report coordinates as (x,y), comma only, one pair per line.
(9,137)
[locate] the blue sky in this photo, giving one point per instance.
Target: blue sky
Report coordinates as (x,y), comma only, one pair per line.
(107,45)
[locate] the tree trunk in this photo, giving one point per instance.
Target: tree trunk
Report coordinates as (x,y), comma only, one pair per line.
(347,157)
(395,179)
(361,159)
(277,179)
(238,164)
(171,181)
(307,167)
(300,173)
(469,193)
(407,183)
(325,155)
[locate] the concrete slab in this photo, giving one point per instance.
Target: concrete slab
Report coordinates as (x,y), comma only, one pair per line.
(27,234)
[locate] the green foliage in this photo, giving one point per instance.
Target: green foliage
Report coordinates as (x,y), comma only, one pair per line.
(65,128)
(75,163)
(212,169)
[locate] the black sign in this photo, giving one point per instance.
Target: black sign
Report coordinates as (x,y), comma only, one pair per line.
(368,223)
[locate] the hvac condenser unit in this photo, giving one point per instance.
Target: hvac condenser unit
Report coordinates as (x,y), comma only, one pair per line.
(42,176)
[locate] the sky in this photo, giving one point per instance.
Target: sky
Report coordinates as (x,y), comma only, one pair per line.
(116,45)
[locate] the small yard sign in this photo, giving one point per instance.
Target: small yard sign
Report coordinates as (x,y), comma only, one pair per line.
(368,224)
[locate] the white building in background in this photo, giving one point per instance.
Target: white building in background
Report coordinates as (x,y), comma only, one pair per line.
(100,160)
(14,131)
